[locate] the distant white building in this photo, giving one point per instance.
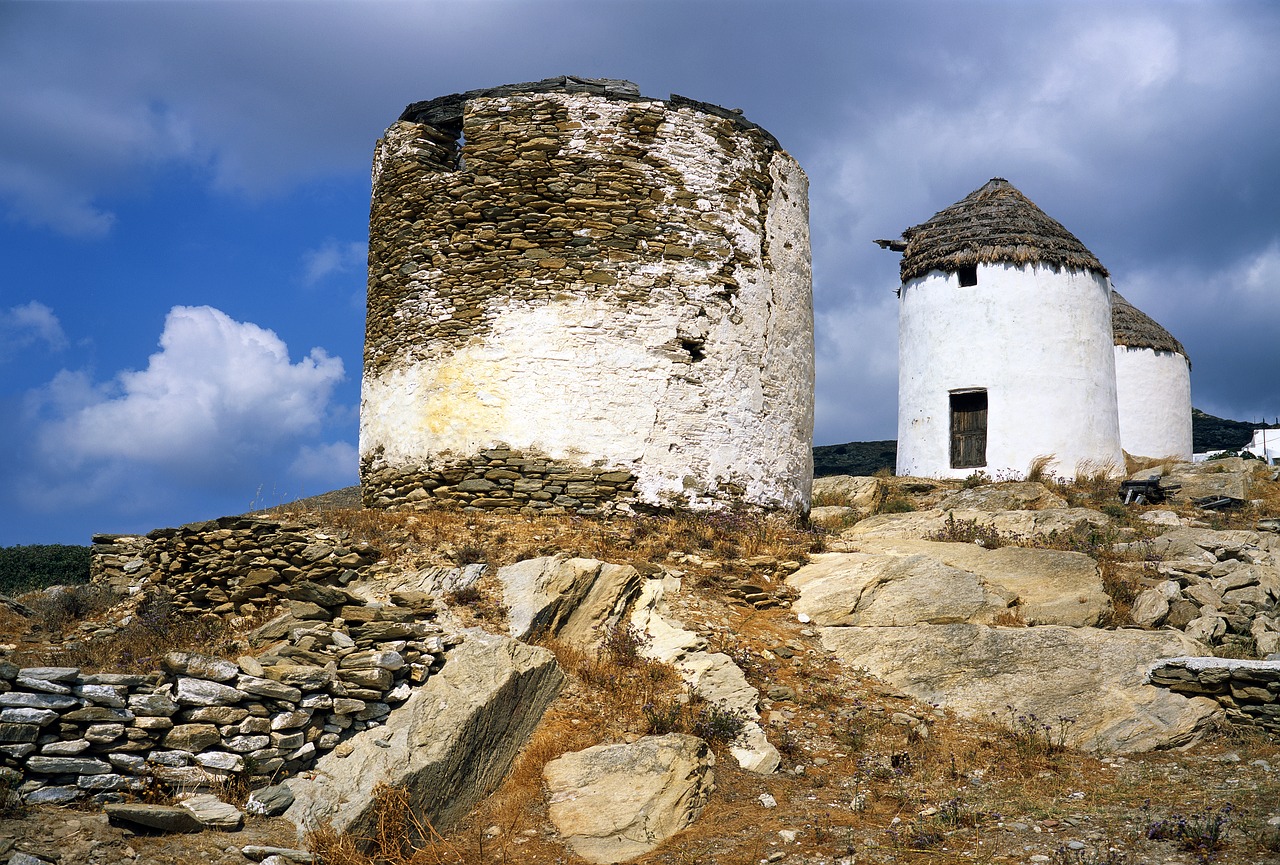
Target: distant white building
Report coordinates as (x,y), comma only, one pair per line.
(1266,445)
(1153,385)
(1005,346)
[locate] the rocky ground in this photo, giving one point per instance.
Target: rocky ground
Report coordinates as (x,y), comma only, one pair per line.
(867,773)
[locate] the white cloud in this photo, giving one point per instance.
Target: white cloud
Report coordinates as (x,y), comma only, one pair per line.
(220,400)
(28,324)
(327,465)
(330,258)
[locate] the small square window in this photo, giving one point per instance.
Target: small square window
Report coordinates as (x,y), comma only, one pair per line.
(968,276)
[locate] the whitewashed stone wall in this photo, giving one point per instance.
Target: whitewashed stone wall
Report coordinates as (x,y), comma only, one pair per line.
(1153,389)
(1038,340)
(600,297)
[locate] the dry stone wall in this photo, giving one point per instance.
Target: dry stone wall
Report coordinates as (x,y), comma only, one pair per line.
(67,735)
(230,566)
(579,295)
(326,666)
(1249,691)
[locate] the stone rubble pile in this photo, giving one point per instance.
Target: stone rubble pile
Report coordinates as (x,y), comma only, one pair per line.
(1219,587)
(1249,691)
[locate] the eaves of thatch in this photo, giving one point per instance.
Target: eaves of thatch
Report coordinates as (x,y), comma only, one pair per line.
(1134,328)
(995,223)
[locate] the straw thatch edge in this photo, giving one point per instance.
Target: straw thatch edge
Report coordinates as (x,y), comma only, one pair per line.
(1133,328)
(994,223)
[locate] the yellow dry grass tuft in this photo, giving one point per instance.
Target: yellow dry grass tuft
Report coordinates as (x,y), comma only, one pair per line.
(453,537)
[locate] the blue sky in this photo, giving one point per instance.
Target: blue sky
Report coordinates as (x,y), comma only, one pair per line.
(184,199)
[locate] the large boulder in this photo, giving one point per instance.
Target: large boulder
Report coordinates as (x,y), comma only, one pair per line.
(922,524)
(1049,587)
(573,599)
(450,744)
(612,803)
(1016,496)
(889,590)
(1090,675)
(906,582)
(1232,477)
(854,491)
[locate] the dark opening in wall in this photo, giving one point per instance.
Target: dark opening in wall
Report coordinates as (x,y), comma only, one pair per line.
(968,276)
(695,348)
(968,429)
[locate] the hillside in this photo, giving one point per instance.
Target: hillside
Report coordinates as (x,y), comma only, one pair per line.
(868,773)
(1209,433)
(854,458)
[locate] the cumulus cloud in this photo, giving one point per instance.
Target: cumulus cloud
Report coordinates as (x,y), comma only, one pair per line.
(29,324)
(326,465)
(218,401)
(332,257)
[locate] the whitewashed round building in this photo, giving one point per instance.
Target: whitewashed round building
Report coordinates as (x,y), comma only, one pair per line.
(1005,351)
(579,295)
(1153,385)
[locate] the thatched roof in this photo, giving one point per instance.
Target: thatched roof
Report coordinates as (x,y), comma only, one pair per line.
(995,223)
(1134,328)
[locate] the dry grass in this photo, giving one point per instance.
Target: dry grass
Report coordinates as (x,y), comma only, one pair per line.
(155,627)
(1039,471)
(452,537)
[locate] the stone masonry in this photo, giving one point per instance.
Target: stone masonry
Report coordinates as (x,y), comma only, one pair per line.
(327,664)
(578,296)
(1249,691)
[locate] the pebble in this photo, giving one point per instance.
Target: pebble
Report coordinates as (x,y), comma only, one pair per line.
(768,801)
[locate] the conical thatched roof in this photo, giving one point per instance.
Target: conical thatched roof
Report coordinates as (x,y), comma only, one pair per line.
(1134,328)
(995,223)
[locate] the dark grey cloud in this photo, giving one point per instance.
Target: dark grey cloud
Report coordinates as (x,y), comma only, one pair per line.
(1148,129)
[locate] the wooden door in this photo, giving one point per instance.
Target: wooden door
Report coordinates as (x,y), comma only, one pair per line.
(969,429)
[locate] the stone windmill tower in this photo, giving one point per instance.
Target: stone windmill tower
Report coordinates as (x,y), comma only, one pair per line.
(1005,349)
(1153,385)
(578,296)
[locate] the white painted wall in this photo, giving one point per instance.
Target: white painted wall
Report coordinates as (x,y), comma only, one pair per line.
(1266,445)
(1041,344)
(1153,392)
(597,383)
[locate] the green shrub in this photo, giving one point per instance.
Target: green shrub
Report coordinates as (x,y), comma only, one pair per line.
(38,566)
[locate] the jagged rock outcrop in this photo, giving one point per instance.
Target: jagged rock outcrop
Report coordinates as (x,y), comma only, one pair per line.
(712,675)
(612,803)
(1020,495)
(573,599)
(451,743)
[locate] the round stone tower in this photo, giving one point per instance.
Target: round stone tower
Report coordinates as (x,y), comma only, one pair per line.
(1153,385)
(1004,343)
(579,296)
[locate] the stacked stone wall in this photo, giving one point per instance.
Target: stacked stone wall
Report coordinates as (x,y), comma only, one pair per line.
(602,284)
(503,481)
(327,665)
(1249,691)
(230,566)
